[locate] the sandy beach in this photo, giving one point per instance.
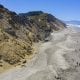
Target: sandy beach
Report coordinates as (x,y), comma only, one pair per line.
(57,59)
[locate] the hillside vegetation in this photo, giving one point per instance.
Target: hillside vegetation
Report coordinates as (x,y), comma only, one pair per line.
(18,32)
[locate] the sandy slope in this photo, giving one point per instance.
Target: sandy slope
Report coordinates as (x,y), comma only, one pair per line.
(58,59)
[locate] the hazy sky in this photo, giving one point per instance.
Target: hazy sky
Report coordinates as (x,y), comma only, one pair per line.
(63,9)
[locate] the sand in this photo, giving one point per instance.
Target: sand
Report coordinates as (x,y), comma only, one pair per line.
(57,59)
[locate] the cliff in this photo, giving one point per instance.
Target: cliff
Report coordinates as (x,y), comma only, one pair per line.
(18,32)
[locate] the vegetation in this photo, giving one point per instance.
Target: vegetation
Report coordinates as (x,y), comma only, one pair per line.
(18,32)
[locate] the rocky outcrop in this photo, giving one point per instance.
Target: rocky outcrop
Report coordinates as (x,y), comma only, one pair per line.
(18,32)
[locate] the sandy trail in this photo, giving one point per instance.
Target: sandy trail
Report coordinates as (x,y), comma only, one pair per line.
(50,59)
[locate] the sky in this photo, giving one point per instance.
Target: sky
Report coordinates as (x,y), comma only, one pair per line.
(62,9)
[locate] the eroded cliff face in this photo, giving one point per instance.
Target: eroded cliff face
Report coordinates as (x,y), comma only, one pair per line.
(18,32)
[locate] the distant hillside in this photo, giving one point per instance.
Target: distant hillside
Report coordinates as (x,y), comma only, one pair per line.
(18,32)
